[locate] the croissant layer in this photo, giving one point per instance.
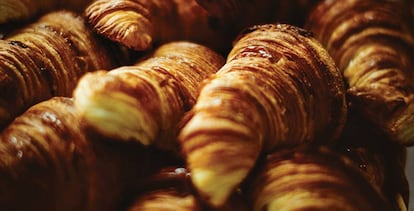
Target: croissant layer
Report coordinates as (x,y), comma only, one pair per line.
(48,161)
(141,24)
(312,178)
(46,59)
(145,102)
(278,88)
(373,44)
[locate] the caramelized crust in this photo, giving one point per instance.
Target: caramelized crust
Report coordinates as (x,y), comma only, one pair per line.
(138,24)
(145,102)
(165,200)
(48,162)
(124,21)
(46,59)
(44,159)
(312,178)
(373,44)
(171,189)
(236,15)
(278,88)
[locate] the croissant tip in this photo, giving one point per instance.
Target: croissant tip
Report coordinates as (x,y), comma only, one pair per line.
(403,128)
(110,112)
(215,189)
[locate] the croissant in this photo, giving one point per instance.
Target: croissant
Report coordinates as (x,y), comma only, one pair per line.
(145,102)
(171,189)
(47,162)
(168,189)
(373,45)
(12,10)
(278,84)
(138,24)
(46,59)
(44,160)
(311,178)
(166,200)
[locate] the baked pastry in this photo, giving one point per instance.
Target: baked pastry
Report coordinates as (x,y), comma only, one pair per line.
(143,103)
(46,59)
(44,160)
(171,189)
(48,162)
(278,88)
(141,24)
(311,178)
(373,44)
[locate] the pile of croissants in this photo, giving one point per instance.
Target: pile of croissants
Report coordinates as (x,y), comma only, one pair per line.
(111,105)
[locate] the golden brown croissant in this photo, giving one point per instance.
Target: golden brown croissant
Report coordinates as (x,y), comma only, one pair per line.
(138,24)
(166,200)
(47,162)
(279,87)
(18,10)
(44,160)
(171,189)
(373,45)
(311,178)
(46,59)
(145,102)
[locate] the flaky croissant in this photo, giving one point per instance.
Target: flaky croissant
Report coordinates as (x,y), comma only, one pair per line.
(46,59)
(48,162)
(45,160)
(373,44)
(312,178)
(166,200)
(145,102)
(279,87)
(171,189)
(139,24)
